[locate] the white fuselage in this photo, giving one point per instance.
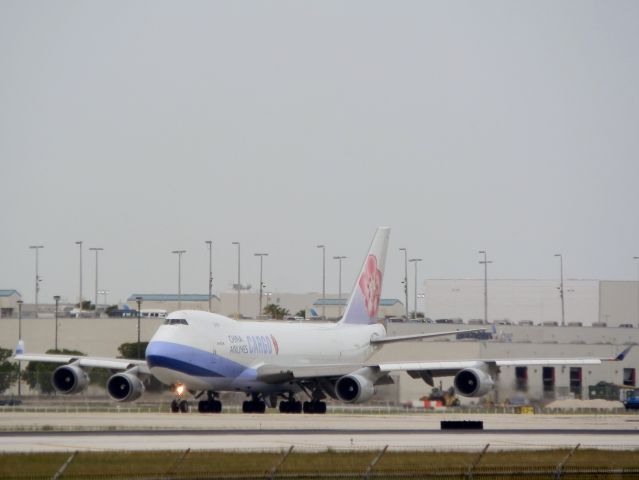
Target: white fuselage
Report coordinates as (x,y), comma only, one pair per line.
(206,351)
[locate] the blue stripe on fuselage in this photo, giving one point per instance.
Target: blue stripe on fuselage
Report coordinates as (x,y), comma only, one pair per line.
(191,361)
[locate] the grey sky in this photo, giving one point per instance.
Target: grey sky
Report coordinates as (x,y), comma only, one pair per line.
(144,127)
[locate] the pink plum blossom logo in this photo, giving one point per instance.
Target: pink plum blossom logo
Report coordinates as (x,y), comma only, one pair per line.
(370,283)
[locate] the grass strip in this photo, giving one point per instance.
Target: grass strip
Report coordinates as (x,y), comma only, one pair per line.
(210,463)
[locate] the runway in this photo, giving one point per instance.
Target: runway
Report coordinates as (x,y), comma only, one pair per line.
(30,432)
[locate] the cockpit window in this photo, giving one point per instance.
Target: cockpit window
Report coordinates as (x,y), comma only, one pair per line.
(175,321)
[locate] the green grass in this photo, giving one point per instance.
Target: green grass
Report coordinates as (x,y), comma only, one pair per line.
(210,463)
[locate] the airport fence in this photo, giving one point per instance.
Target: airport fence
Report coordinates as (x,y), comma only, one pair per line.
(189,465)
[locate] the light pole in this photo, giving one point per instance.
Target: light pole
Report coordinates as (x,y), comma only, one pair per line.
(139,302)
(210,245)
(37,276)
(239,285)
(415,261)
(96,250)
(339,259)
(57,301)
(485,262)
(20,346)
(561,288)
(179,254)
(104,294)
(79,243)
(405,278)
(421,296)
(261,255)
(323,247)
(637,258)
(268,296)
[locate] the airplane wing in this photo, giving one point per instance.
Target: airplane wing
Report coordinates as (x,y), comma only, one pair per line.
(425,370)
(82,361)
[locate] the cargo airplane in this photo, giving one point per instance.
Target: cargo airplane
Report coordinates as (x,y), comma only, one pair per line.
(205,353)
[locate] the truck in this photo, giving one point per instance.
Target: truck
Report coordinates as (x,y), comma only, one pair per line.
(631,400)
(628,395)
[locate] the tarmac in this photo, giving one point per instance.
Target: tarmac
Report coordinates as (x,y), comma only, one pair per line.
(55,432)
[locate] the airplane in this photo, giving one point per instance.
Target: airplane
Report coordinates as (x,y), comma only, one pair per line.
(206,353)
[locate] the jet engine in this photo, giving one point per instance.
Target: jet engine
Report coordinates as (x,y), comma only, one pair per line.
(473,382)
(69,379)
(125,387)
(354,388)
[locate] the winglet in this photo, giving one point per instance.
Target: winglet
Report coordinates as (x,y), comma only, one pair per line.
(622,355)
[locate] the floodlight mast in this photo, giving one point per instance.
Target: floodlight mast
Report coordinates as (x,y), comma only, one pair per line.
(261,255)
(179,254)
(339,258)
(210,244)
(239,284)
(405,282)
(37,276)
(561,288)
(485,262)
(415,261)
(96,250)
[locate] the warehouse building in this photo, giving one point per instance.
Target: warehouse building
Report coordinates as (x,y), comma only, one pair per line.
(171,302)
(586,302)
(9,302)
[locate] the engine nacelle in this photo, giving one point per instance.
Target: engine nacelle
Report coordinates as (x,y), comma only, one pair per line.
(124,387)
(473,382)
(69,379)
(354,388)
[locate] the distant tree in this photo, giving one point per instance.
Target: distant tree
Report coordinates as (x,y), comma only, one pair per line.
(276,311)
(130,350)
(301,313)
(8,370)
(110,309)
(38,374)
(86,305)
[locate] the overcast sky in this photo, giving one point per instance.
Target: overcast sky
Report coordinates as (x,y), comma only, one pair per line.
(147,126)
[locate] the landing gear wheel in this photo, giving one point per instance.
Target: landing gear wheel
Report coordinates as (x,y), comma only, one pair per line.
(253,406)
(183,406)
(314,406)
(175,407)
(209,406)
(291,406)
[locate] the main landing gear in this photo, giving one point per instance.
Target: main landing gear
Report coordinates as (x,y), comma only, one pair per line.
(255,405)
(211,405)
(295,406)
(314,406)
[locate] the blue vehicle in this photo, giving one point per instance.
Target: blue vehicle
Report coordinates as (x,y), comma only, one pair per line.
(631,402)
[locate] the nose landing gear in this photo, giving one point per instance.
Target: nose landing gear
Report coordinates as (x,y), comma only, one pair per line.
(179,404)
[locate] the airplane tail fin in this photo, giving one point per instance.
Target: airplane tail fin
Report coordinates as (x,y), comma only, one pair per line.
(364,301)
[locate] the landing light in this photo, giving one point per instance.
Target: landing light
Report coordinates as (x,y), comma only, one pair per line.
(180,390)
